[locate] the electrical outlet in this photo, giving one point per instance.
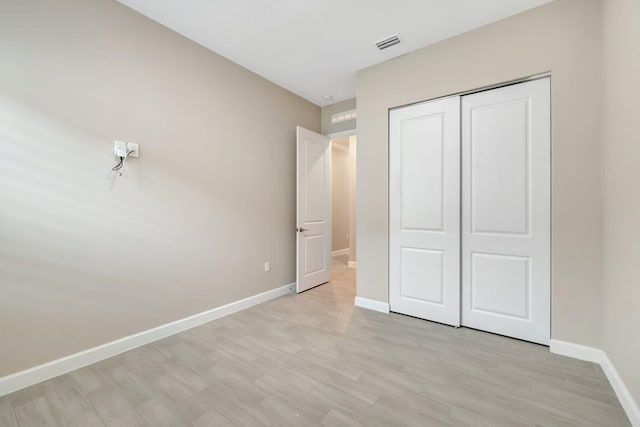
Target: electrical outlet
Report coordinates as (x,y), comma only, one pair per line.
(122,147)
(267,266)
(134,149)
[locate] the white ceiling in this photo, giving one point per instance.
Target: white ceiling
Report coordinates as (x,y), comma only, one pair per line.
(315,47)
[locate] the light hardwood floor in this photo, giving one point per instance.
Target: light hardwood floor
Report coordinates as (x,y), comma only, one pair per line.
(315,359)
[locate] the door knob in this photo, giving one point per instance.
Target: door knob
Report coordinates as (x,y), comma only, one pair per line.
(302,229)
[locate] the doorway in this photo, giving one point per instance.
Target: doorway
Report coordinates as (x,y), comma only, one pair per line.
(314,214)
(343,201)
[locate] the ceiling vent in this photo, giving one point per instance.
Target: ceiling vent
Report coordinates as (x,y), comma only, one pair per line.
(388,41)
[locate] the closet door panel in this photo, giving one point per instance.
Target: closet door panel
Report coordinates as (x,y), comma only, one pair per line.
(424,215)
(499,170)
(506,211)
(421,149)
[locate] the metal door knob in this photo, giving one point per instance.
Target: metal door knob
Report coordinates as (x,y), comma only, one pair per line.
(302,229)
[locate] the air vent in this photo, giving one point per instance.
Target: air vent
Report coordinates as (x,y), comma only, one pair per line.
(388,41)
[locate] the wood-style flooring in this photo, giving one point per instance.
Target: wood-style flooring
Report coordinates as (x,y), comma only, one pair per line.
(315,359)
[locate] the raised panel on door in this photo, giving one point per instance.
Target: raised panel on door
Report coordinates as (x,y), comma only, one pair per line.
(424,194)
(499,167)
(500,285)
(421,277)
(506,211)
(313,249)
(421,149)
(315,181)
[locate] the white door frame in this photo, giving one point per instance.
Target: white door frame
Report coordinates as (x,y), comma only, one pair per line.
(482,89)
(350,132)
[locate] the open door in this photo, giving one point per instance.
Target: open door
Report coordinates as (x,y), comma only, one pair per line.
(313,209)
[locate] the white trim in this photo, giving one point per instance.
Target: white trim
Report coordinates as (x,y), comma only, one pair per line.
(348,132)
(37,374)
(353,264)
(339,147)
(340,252)
(476,90)
(595,355)
(624,395)
(371,304)
(576,351)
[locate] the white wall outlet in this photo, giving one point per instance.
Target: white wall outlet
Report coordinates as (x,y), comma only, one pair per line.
(267,266)
(123,147)
(134,149)
(119,148)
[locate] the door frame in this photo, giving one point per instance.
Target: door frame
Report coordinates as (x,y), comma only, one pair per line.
(538,76)
(330,136)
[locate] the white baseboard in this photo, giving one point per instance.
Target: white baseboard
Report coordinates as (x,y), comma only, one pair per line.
(372,304)
(37,374)
(624,395)
(576,351)
(340,252)
(352,264)
(595,355)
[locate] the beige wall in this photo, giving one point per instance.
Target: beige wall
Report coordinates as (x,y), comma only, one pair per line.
(84,260)
(621,154)
(562,37)
(338,107)
(340,194)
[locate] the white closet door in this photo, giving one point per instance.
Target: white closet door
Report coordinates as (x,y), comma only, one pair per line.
(424,214)
(506,211)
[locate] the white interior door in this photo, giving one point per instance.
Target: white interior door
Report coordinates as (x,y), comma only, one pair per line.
(313,209)
(506,211)
(424,214)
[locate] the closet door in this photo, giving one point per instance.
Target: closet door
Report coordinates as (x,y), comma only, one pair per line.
(506,211)
(424,210)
